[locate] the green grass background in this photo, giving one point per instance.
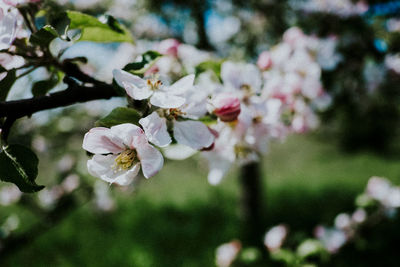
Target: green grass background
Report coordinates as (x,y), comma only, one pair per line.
(177,219)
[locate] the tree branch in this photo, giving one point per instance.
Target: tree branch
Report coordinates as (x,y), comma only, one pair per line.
(75,93)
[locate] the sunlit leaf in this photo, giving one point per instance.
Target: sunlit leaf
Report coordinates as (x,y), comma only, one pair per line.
(212,65)
(94,30)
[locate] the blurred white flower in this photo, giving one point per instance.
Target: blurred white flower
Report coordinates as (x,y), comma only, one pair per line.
(359,216)
(102,197)
(48,197)
(343,221)
(227,253)
(331,238)
(392,61)
(275,237)
(9,194)
(70,183)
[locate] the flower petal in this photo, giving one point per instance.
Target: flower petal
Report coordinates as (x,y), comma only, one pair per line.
(235,75)
(100,140)
(178,152)
(101,166)
(193,134)
(165,100)
(182,85)
(131,134)
(155,128)
(151,160)
(137,93)
(122,76)
(218,166)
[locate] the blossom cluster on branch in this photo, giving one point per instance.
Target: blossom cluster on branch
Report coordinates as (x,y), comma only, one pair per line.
(229,110)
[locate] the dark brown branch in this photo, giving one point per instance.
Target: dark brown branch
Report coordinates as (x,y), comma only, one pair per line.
(75,93)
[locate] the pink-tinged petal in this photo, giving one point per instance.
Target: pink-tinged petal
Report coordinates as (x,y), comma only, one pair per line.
(8,28)
(166,100)
(100,140)
(264,60)
(182,85)
(169,47)
(151,160)
(155,128)
(136,92)
(101,166)
(122,76)
(131,134)
(193,134)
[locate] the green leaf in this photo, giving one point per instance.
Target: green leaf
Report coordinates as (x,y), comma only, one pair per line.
(19,165)
(44,36)
(94,30)
(7,83)
(41,88)
(118,116)
(212,65)
(140,67)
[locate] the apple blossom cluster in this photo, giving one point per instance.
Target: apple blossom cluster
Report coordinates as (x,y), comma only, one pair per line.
(255,104)
(342,8)
(229,114)
(381,198)
(178,58)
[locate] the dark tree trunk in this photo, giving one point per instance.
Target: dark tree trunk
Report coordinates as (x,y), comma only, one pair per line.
(252,203)
(198,14)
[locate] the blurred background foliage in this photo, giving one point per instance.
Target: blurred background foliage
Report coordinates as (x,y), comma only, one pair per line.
(177,218)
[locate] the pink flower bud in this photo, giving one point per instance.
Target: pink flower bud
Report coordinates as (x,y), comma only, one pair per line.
(264,61)
(227,107)
(169,47)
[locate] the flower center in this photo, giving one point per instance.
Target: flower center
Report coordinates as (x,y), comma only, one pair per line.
(242,151)
(154,84)
(246,87)
(125,160)
(174,113)
(257,119)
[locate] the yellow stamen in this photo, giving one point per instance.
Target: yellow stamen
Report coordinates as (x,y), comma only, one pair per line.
(154,84)
(174,113)
(125,160)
